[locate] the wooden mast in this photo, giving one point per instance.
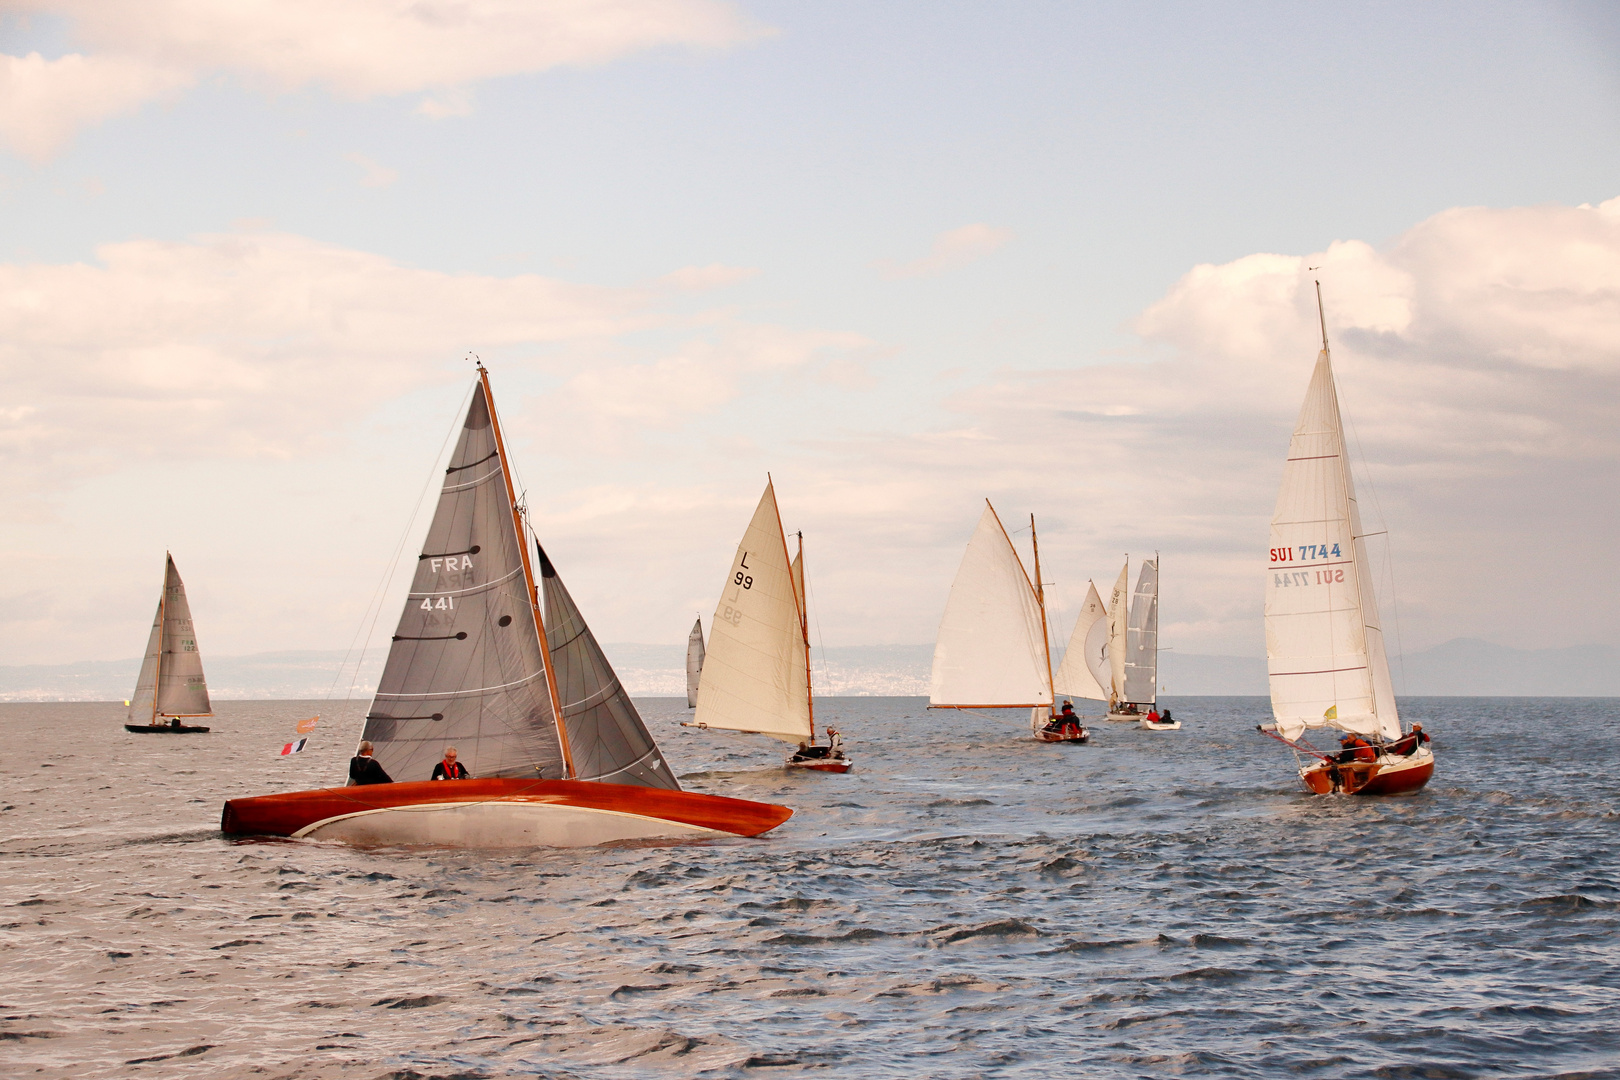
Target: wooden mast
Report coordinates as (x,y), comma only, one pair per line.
(1040,600)
(804,629)
(163,632)
(528,577)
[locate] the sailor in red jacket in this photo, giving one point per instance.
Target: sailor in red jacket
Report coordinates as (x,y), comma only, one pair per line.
(450,768)
(1356,749)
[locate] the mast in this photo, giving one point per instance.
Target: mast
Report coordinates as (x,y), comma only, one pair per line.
(1158,591)
(163,618)
(804,628)
(1040,601)
(1322,318)
(528,576)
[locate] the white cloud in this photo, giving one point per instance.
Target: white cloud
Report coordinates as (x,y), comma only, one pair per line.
(951,250)
(703,278)
(355,48)
(373,174)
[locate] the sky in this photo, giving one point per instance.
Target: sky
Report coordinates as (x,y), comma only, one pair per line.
(901,257)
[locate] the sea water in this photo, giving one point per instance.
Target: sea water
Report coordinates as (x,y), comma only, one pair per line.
(967,902)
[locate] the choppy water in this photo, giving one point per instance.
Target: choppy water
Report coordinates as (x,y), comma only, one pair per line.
(966,903)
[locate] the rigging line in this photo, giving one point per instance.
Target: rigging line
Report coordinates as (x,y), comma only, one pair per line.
(373,607)
(1389,554)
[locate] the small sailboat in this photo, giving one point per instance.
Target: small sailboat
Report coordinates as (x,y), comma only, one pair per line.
(1324,641)
(560,756)
(1133,646)
(170,687)
(992,650)
(756,673)
(694,662)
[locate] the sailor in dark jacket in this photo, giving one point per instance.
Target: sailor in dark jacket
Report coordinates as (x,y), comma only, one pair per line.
(363,768)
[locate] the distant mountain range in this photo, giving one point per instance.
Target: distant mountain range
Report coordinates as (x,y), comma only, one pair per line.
(1465,667)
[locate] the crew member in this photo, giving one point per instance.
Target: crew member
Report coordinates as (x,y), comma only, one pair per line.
(450,768)
(364,769)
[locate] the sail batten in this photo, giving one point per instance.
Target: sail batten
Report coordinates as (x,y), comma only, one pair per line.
(991,650)
(1324,642)
(756,668)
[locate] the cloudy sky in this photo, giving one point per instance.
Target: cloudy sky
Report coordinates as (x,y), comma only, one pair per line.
(902,256)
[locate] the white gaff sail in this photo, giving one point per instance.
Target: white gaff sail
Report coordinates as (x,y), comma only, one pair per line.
(1118,618)
(1085,664)
(1324,644)
(991,649)
(1142,637)
(694,662)
(756,675)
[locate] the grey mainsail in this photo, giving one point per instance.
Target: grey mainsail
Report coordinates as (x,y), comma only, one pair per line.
(171,681)
(1142,638)
(608,741)
(694,662)
(465,668)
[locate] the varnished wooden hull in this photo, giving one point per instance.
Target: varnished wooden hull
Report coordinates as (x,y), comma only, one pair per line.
(1386,776)
(497,813)
(832,765)
(1054,736)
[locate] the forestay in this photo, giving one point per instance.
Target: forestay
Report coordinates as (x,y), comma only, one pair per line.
(1085,663)
(991,648)
(694,662)
(1323,641)
(756,672)
(607,738)
(1142,637)
(465,667)
(171,681)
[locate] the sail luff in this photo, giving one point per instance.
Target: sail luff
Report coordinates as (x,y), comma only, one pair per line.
(528,576)
(162,632)
(804,629)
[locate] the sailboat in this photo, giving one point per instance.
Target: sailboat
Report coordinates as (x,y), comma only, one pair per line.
(756,674)
(1324,641)
(1133,647)
(694,662)
(170,687)
(560,756)
(992,650)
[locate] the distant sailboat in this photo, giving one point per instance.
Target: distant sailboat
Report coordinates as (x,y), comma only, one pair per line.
(1324,642)
(170,686)
(559,754)
(992,650)
(694,662)
(756,674)
(1133,645)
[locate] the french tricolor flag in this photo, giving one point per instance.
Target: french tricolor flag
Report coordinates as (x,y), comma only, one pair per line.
(293,747)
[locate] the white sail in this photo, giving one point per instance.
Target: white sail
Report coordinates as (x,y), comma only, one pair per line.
(1118,617)
(991,649)
(1324,646)
(1142,638)
(1085,664)
(171,681)
(694,662)
(756,673)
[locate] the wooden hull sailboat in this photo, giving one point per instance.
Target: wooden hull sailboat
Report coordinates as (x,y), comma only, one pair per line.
(992,650)
(170,688)
(1324,639)
(756,672)
(527,699)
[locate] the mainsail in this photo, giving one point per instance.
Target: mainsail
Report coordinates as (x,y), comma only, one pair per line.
(466,667)
(1085,666)
(171,681)
(756,671)
(605,733)
(991,650)
(1324,645)
(694,662)
(1118,618)
(1142,637)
